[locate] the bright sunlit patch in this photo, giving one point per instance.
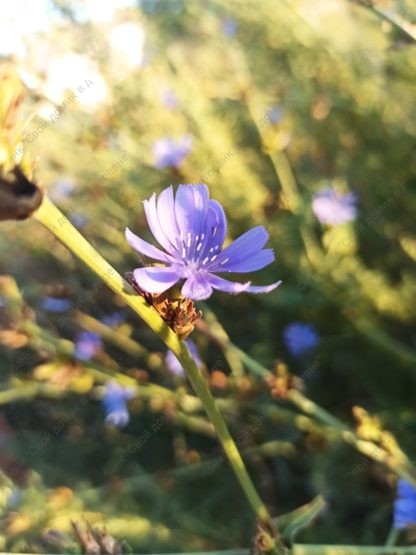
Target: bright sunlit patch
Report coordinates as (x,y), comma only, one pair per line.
(99,11)
(72,73)
(127,42)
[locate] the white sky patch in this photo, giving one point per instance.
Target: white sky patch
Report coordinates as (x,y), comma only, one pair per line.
(21,18)
(99,11)
(127,42)
(74,73)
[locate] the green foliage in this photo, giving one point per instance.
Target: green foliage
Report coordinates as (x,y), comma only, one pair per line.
(343,80)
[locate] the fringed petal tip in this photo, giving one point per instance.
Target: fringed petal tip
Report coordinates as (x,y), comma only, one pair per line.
(263,288)
(235,288)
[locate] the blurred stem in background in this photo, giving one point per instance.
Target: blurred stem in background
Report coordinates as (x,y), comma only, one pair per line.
(53,219)
(397,462)
(394,19)
(315,253)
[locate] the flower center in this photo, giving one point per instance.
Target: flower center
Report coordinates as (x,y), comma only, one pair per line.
(198,250)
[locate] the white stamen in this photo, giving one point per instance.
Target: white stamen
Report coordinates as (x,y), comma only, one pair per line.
(213,257)
(205,260)
(183,252)
(199,247)
(225,260)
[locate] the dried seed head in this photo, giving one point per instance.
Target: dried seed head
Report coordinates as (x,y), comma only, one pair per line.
(282,381)
(267,541)
(95,541)
(19,197)
(178,312)
(218,380)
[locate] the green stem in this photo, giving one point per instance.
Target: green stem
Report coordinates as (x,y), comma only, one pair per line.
(392,537)
(403,469)
(294,200)
(119,339)
(396,20)
(299,549)
(53,219)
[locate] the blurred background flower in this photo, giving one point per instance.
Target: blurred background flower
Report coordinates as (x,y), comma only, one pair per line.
(405,505)
(55,304)
(174,366)
(170,153)
(300,338)
(87,345)
(331,207)
(169,99)
(115,404)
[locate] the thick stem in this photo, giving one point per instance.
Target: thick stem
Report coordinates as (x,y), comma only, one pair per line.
(53,219)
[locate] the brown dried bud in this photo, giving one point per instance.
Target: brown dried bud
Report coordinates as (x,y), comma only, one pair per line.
(19,197)
(13,339)
(282,381)
(95,541)
(267,542)
(218,380)
(178,312)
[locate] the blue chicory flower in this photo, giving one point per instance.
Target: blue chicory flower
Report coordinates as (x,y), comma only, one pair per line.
(115,404)
(62,189)
(114,319)
(174,366)
(169,99)
(87,345)
(191,228)
(229,27)
(55,304)
(333,208)
(300,337)
(405,505)
(78,220)
(170,153)
(14,499)
(275,114)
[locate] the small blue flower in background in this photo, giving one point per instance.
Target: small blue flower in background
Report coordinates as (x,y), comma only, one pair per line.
(114,319)
(174,366)
(229,27)
(3,302)
(300,337)
(405,505)
(275,114)
(87,345)
(14,499)
(191,228)
(115,404)
(55,304)
(78,220)
(170,153)
(333,208)
(168,99)
(61,189)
